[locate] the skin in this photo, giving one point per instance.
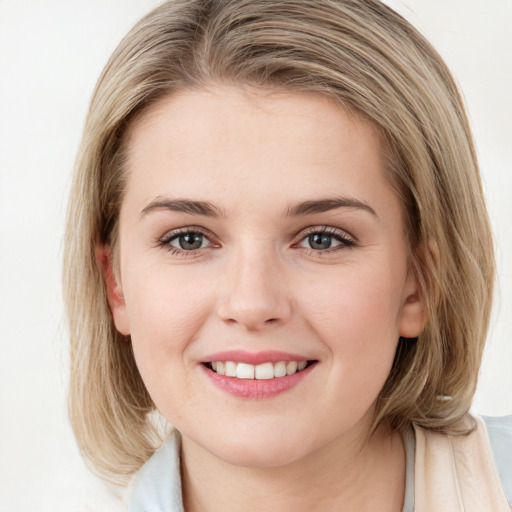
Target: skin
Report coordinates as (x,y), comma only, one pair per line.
(256,284)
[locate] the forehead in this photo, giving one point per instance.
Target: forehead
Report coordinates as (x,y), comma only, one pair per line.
(248,144)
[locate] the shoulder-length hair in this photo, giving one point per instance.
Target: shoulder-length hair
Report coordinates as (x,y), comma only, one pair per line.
(372,62)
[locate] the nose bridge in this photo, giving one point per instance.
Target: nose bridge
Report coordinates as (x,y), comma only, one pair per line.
(256,294)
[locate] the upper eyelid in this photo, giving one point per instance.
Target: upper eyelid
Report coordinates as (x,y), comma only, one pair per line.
(330,230)
(312,228)
(173,233)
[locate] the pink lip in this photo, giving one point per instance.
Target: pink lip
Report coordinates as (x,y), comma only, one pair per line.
(254,388)
(242,356)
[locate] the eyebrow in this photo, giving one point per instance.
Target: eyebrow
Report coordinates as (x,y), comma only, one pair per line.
(324,205)
(182,205)
(300,209)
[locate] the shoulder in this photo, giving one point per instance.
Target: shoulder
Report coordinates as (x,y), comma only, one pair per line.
(475,467)
(157,486)
(499,432)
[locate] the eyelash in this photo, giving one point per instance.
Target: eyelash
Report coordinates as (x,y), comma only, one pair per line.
(346,241)
(165,241)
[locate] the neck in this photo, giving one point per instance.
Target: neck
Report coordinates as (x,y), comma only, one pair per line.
(345,475)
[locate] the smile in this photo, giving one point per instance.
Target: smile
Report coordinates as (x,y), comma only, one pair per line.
(259,375)
(264,371)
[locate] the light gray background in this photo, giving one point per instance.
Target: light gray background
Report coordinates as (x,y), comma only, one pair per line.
(51,53)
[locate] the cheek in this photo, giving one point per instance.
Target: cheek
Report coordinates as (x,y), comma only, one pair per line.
(163,304)
(356,303)
(356,315)
(165,318)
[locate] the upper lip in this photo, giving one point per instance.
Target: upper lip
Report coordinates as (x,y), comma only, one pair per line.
(255,358)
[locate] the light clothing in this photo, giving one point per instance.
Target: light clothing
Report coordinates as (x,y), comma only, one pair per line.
(444,473)
(459,473)
(157,486)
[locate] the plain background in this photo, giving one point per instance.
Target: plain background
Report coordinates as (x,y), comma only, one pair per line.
(51,53)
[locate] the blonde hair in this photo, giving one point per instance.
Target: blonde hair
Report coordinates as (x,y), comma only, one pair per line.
(372,62)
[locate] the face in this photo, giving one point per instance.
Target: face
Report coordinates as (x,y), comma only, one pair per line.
(263,273)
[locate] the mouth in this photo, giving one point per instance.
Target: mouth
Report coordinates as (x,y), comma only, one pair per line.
(256,375)
(264,371)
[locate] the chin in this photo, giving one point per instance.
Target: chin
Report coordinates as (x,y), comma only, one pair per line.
(253,448)
(257,456)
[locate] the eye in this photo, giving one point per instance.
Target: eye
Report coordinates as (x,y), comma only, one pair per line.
(185,241)
(326,240)
(188,241)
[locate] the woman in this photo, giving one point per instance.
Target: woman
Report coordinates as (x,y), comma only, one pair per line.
(277,238)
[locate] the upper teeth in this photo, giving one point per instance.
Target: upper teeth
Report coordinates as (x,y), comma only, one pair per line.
(259,371)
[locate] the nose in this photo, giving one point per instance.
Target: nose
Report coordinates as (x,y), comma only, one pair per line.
(255,296)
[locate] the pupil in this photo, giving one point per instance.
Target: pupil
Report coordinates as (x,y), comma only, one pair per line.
(191,241)
(320,241)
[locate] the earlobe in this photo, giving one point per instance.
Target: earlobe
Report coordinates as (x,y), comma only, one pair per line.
(414,313)
(113,288)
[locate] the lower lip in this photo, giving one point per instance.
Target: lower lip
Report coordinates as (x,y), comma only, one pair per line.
(255,388)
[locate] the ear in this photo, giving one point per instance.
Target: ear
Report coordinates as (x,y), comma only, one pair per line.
(414,312)
(114,289)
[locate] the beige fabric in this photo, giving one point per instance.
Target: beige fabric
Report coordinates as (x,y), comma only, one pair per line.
(456,473)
